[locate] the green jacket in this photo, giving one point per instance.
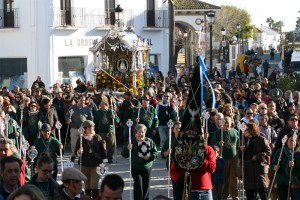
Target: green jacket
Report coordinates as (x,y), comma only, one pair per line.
(51,146)
(230,139)
(282,174)
(147,116)
(136,161)
(103,121)
(296,169)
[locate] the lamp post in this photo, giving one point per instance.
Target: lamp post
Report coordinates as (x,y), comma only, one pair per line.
(223,32)
(238,26)
(118,15)
(211,18)
(185,48)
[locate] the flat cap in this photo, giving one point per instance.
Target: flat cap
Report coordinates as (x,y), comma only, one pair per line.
(88,123)
(72,174)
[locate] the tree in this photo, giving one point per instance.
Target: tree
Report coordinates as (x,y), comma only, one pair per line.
(278,26)
(270,21)
(228,17)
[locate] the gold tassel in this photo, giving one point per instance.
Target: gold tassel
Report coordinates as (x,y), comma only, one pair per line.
(187,186)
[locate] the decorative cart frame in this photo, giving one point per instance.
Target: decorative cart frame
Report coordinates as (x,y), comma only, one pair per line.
(121,60)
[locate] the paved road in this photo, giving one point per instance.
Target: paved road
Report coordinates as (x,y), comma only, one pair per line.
(159,177)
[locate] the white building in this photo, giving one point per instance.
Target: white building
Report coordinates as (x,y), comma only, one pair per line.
(52,38)
(267,38)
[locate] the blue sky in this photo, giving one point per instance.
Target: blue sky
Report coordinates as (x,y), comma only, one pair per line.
(260,10)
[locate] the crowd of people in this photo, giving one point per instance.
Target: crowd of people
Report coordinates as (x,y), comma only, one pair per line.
(95,122)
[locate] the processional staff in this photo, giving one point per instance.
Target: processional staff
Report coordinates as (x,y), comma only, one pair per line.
(206,117)
(32,153)
(58,126)
(170,125)
(129,123)
(242,127)
(283,141)
(81,131)
(292,159)
(21,132)
(71,112)
(222,122)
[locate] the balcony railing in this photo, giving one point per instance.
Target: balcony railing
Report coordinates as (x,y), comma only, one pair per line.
(101,18)
(9,18)
(156,18)
(74,17)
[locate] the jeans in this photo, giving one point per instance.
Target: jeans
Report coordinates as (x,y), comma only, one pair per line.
(201,195)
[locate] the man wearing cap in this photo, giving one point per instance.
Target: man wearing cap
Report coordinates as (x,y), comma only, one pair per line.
(72,185)
(105,118)
(126,112)
(48,144)
(147,115)
(81,112)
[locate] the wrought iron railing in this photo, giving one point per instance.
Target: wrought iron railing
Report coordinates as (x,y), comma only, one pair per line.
(69,17)
(9,18)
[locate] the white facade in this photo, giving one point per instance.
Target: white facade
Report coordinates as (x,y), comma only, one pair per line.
(52,44)
(267,38)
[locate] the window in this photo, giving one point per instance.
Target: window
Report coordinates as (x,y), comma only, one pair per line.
(70,69)
(150,13)
(65,7)
(13,72)
(110,6)
(7,15)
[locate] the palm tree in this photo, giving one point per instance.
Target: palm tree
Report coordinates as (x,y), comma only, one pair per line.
(270,21)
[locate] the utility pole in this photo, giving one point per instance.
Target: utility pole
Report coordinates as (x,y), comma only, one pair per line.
(171,37)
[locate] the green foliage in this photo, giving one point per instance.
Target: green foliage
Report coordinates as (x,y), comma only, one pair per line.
(228,17)
(289,83)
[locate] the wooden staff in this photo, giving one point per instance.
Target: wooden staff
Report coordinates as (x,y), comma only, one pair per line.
(81,135)
(58,125)
(139,110)
(7,117)
(206,117)
(114,128)
(129,123)
(284,139)
(170,125)
(21,132)
(243,127)
(71,112)
(222,122)
(291,170)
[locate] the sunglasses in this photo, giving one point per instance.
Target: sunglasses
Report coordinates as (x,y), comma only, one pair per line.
(263,108)
(249,113)
(293,119)
(45,171)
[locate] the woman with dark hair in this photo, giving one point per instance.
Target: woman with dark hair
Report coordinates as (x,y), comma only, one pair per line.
(48,114)
(42,179)
(31,119)
(257,154)
(28,192)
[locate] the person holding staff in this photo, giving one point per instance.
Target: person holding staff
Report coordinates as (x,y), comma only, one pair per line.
(143,154)
(92,154)
(257,154)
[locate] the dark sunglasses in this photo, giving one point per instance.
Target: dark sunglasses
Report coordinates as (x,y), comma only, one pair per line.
(249,113)
(45,171)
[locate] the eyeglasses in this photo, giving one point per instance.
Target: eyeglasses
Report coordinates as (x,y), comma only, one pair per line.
(263,108)
(249,113)
(45,171)
(293,119)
